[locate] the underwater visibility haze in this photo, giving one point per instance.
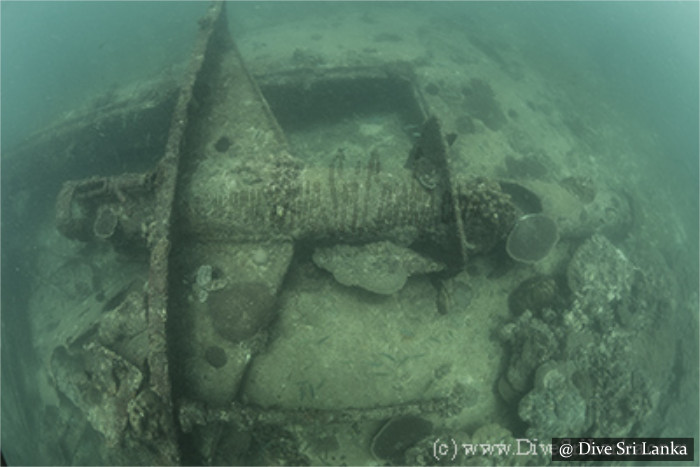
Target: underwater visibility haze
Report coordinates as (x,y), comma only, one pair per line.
(334,233)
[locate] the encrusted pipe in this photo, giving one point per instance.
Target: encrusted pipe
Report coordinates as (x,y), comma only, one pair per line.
(318,204)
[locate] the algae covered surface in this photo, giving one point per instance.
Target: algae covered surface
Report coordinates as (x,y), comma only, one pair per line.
(346,283)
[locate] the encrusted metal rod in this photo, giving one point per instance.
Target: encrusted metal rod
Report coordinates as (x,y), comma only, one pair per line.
(362,205)
(192,414)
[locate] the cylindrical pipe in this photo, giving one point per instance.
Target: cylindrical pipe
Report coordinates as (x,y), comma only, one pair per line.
(317,204)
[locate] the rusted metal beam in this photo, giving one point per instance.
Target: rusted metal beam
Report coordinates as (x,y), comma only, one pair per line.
(212,27)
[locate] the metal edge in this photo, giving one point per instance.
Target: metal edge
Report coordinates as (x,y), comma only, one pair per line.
(212,25)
